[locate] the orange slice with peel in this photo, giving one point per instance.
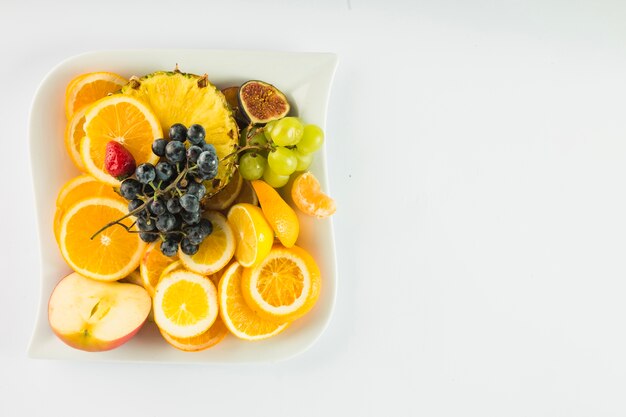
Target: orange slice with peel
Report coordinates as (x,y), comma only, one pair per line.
(253,233)
(123,119)
(238,317)
(225,197)
(185,304)
(74,133)
(78,189)
(280,216)
(247,194)
(215,251)
(87,88)
(307,195)
(152,265)
(284,287)
(216,333)
(113,253)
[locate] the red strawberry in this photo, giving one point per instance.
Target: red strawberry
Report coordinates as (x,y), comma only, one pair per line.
(118,161)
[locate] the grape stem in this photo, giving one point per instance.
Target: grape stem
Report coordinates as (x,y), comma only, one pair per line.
(157,193)
(251,131)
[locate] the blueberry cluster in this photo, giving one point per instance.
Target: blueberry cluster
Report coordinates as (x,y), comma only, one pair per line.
(165,198)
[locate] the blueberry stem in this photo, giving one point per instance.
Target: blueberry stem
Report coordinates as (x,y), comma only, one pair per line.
(157,193)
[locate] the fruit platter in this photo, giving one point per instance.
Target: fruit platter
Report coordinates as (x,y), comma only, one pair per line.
(183,206)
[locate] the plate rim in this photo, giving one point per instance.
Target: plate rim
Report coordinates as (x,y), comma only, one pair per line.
(40,320)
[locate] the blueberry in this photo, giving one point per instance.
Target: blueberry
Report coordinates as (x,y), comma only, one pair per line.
(158,147)
(193,153)
(194,234)
(209,148)
(130,188)
(207,162)
(190,203)
(169,247)
(134,205)
(166,222)
(146,224)
(165,171)
(196,188)
(208,175)
(206,227)
(190,218)
(157,207)
(175,151)
(173,205)
(175,236)
(178,132)
(145,173)
(148,237)
(188,248)
(196,134)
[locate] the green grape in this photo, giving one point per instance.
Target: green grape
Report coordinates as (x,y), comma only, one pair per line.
(267,130)
(312,139)
(258,140)
(283,161)
(274,179)
(287,131)
(304,160)
(251,166)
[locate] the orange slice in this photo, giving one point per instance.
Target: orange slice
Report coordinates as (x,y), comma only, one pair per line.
(185,304)
(240,319)
(112,254)
(74,133)
(280,216)
(175,266)
(210,338)
(215,251)
(225,197)
(308,197)
(87,88)
(247,194)
(78,189)
(152,265)
(254,234)
(123,119)
(284,287)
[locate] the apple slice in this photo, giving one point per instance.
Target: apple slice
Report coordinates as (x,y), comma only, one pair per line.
(96,316)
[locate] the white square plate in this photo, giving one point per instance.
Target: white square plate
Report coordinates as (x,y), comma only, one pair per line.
(304,77)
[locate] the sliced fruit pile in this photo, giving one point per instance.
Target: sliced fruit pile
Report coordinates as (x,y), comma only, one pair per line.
(190,223)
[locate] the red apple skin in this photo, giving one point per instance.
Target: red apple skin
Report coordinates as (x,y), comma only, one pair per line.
(84,339)
(87,342)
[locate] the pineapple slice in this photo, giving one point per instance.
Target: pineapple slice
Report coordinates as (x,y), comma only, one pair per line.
(177,97)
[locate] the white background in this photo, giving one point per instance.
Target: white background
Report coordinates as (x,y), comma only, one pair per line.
(477,153)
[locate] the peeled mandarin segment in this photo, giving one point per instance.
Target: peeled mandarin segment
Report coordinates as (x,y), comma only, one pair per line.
(122,119)
(152,265)
(307,195)
(285,286)
(215,251)
(240,319)
(74,133)
(216,333)
(253,233)
(280,216)
(225,197)
(112,254)
(87,88)
(185,304)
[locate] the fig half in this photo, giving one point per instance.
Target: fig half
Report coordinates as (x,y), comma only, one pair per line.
(261,102)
